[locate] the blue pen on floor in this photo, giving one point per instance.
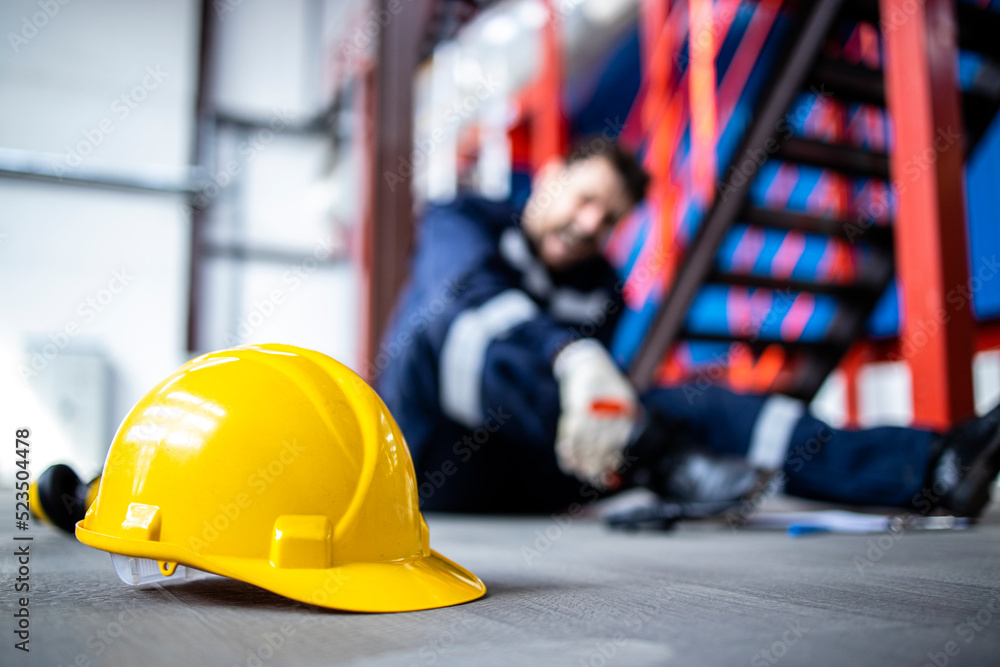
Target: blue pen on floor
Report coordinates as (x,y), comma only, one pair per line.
(799,530)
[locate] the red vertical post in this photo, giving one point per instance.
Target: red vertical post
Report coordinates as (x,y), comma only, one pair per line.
(702,84)
(365,242)
(388,218)
(549,133)
(660,118)
(660,114)
(851,366)
(926,162)
(657,56)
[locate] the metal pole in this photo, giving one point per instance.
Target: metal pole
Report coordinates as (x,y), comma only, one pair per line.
(927,169)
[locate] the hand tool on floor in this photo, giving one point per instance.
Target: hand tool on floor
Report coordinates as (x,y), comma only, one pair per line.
(691,483)
(60,498)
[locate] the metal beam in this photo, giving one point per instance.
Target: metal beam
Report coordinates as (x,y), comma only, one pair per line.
(844,159)
(244,253)
(201,151)
(924,99)
(850,230)
(388,233)
(758,343)
(854,290)
(32,166)
(847,82)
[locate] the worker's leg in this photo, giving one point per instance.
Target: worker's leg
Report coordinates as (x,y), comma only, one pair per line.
(881,466)
(484,471)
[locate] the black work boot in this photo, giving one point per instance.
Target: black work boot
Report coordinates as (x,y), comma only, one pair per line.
(965,464)
(674,467)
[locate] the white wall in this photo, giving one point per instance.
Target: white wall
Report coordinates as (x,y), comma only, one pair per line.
(67,245)
(289,191)
(109,86)
(253,78)
(113,83)
(885,392)
(88,63)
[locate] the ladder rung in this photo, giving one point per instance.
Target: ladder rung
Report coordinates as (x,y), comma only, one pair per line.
(855,83)
(978,30)
(759,343)
(844,159)
(851,230)
(839,291)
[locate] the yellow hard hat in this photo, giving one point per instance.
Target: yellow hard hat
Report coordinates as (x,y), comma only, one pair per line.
(280,467)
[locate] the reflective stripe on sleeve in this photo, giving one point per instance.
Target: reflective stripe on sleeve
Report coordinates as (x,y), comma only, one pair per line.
(772,432)
(463,355)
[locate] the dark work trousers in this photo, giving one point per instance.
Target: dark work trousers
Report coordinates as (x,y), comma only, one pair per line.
(482,471)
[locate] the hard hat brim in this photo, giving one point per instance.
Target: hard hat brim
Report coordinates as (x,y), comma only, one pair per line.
(423,583)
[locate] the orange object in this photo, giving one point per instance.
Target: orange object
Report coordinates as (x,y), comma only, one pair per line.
(610,408)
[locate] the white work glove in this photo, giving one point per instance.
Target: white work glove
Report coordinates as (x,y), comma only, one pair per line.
(599,411)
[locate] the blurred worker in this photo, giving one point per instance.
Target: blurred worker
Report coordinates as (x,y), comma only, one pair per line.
(498,374)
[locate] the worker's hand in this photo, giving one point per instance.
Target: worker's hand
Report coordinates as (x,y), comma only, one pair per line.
(599,411)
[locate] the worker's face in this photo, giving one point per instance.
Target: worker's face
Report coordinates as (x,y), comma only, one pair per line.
(573,208)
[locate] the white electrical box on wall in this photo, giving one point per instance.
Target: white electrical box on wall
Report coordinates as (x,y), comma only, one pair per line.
(75,392)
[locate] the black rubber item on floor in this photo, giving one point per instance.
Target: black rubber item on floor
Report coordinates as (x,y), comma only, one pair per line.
(63,496)
(678,469)
(664,514)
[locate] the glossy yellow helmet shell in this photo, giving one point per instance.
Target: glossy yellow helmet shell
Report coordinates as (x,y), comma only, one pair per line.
(280,467)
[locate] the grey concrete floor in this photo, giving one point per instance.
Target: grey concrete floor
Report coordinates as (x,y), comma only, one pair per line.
(559,594)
